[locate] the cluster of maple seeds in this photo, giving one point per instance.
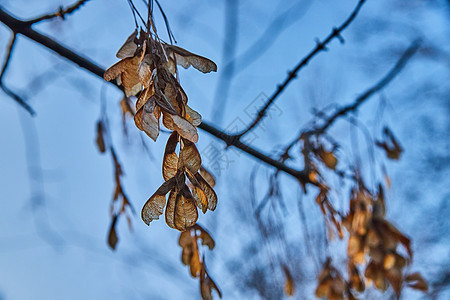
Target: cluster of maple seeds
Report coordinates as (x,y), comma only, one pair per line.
(148,70)
(191,257)
(333,286)
(373,240)
(373,236)
(181,211)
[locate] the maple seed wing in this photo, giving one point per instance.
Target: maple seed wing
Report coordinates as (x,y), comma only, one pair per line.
(186,59)
(195,264)
(146,94)
(390,145)
(190,157)
(209,192)
(289,286)
(182,126)
(170,95)
(207,176)
(130,76)
(170,161)
(100,139)
(416,281)
(112,236)
(144,98)
(150,120)
(329,159)
(154,207)
(145,70)
(207,284)
(129,48)
(170,210)
(200,199)
(138,119)
(185,239)
(186,242)
(193,117)
(114,71)
(198,194)
(166,186)
(206,238)
(186,214)
(166,106)
(127,72)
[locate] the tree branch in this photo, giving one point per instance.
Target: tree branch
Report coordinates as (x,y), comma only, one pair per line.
(412,49)
(60,13)
(24,28)
(7,91)
(321,46)
(11,44)
(231,140)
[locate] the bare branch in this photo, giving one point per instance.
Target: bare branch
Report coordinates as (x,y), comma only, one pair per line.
(61,13)
(7,91)
(231,140)
(321,46)
(18,99)
(373,90)
(136,11)
(25,29)
(166,22)
(8,55)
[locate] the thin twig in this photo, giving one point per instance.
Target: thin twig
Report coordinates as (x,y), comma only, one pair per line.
(321,46)
(133,8)
(412,49)
(7,91)
(383,82)
(166,22)
(134,15)
(11,44)
(61,13)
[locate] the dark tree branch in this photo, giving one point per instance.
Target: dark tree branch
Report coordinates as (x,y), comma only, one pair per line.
(24,28)
(231,140)
(11,44)
(321,46)
(18,99)
(7,91)
(61,13)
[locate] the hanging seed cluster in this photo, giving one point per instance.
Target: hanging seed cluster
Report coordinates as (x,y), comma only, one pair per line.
(148,70)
